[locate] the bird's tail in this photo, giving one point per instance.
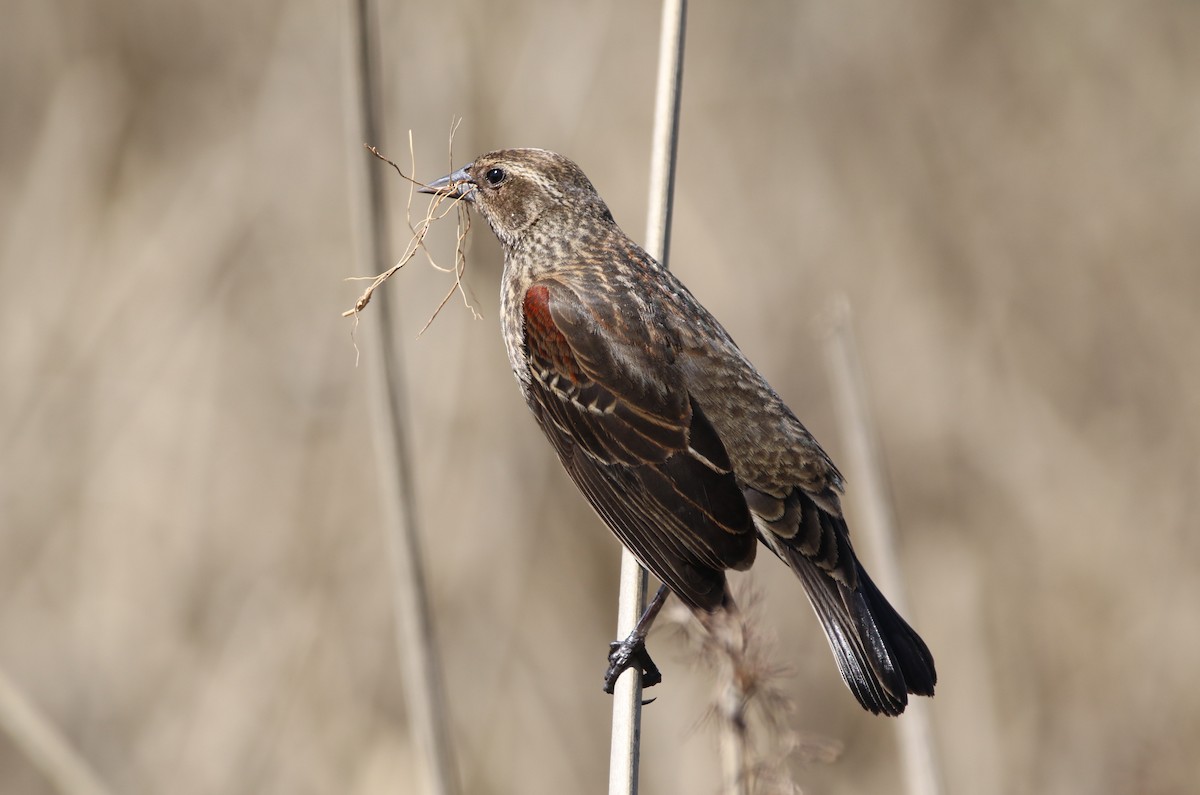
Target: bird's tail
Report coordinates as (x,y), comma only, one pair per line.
(881,658)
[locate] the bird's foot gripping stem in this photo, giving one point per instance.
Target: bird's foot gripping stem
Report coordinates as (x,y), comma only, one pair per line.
(631,652)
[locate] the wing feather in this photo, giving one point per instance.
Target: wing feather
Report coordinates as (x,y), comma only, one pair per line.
(637,445)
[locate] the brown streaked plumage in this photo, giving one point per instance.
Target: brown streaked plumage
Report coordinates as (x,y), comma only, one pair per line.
(680,445)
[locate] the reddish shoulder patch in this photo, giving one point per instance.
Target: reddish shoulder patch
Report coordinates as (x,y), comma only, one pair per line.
(537,306)
(543,339)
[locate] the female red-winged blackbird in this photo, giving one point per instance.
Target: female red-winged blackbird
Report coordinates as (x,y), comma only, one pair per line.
(680,445)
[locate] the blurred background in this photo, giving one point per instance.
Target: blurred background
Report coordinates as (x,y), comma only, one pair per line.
(193,576)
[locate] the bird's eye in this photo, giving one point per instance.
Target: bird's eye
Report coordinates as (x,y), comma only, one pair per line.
(494,176)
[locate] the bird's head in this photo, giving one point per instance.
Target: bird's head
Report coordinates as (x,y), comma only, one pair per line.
(517,190)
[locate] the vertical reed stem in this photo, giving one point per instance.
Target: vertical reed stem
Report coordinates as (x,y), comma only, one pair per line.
(420,663)
(878,521)
(627,698)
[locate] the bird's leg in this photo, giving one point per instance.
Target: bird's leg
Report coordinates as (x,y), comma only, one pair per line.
(631,652)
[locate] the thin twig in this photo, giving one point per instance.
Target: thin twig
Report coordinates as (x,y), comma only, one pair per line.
(627,698)
(415,638)
(878,523)
(460,266)
(417,243)
(44,745)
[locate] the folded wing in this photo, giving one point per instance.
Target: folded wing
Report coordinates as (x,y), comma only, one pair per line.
(636,444)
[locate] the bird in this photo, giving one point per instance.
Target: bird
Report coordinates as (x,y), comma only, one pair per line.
(672,435)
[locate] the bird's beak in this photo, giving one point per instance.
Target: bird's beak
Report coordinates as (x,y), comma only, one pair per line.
(458,185)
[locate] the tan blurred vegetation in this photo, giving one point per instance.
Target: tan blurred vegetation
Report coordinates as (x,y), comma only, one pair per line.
(193,583)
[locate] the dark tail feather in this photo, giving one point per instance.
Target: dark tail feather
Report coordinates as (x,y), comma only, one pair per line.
(907,649)
(879,694)
(880,657)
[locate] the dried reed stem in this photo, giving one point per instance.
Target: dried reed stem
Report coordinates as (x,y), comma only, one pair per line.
(420,664)
(44,745)
(736,685)
(750,708)
(627,698)
(878,522)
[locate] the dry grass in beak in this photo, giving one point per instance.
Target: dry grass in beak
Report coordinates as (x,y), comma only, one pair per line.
(435,212)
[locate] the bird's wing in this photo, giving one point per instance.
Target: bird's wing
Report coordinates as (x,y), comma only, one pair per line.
(810,524)
(636,444)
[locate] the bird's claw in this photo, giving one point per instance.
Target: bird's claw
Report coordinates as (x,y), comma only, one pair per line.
(630,653)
